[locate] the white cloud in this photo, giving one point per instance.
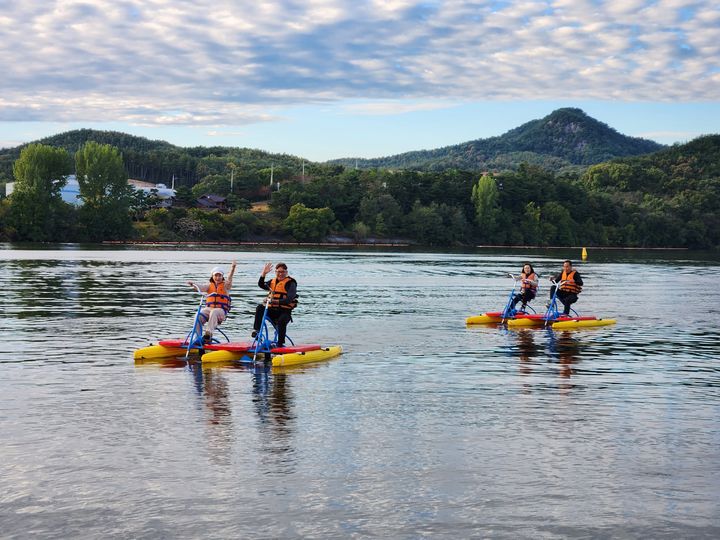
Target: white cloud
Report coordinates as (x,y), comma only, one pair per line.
(227,62)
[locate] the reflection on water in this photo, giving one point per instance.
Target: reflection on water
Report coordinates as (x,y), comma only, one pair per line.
(424,427)
(212,389)
(566,348)
(546,349)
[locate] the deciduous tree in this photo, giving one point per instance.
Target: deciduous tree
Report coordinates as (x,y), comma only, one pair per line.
(38,213)
(106,195)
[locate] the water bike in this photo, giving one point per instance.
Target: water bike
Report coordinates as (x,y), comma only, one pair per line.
(261,349)
(556,320)
(508,312)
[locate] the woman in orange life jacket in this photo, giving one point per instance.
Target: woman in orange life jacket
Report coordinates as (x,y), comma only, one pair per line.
(282,298)
(528,286)
(568,292)
(217,303)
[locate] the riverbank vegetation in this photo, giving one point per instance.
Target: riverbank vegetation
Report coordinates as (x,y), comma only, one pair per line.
(670,198)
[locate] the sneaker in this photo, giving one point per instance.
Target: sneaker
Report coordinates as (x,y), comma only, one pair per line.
(253,334)
(207,338)
(548,304)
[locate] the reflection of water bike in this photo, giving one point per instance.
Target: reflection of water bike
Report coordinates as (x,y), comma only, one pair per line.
(508,312)
(262,348)
(556,319)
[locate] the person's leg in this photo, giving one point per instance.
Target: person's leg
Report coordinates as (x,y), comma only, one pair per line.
(567,300)
(273,314)
(201,320)
(570,299)
(217,315)
(527,296)
(259,312)
(282,320)
(515,300)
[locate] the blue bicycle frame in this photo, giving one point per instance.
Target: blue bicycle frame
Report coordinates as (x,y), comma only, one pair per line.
(509,311)
(194,339)
(262,342)
(552,311)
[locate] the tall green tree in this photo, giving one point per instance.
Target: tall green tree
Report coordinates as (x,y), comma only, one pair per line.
(106,195)
(485,197)
(38,213)
(305,223)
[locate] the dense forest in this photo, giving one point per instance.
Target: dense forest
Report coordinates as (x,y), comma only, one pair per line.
(669,198)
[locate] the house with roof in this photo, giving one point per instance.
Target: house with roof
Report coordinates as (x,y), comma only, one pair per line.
(212,202)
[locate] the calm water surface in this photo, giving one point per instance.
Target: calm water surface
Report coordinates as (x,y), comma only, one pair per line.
(424,427)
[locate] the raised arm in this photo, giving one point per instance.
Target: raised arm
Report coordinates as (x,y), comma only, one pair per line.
(261,282)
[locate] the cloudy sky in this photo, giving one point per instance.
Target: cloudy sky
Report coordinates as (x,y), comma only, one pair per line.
(325,79)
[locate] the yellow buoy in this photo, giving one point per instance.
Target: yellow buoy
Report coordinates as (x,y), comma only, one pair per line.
(584,254)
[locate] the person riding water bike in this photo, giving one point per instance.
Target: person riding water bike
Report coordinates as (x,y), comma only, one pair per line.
(570,286)
(217,303)
(282,300)
(528,286)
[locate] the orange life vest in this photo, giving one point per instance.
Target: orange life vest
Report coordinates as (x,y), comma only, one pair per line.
(530,286)
(278,292)
(569,285)
(218,297)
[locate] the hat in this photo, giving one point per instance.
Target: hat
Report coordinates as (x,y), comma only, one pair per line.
(217,270)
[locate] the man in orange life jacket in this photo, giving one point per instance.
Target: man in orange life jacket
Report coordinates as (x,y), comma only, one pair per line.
(569,290)
(282,298)
(217,303)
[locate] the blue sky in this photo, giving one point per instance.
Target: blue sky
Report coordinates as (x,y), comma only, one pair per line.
(326,79)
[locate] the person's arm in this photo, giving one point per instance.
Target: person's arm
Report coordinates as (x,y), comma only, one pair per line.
(578,279)
(203,288)
(228,280)
(261,282)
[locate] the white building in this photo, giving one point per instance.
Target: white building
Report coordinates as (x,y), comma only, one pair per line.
(70,192)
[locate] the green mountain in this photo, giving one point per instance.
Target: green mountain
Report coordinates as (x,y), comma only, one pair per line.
(159,161)
(565,139)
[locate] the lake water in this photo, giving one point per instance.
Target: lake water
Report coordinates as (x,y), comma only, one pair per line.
(422,428)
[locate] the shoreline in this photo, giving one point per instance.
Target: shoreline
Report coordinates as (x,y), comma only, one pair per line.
(266,243)
(374,244)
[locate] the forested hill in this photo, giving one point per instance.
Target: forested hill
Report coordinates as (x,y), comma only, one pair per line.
(159,161)
(691,169)
(670,198)
(565,139)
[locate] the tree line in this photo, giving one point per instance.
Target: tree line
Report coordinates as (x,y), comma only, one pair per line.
(667,199)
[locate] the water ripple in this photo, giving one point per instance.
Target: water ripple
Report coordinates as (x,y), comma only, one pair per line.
(423,427)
